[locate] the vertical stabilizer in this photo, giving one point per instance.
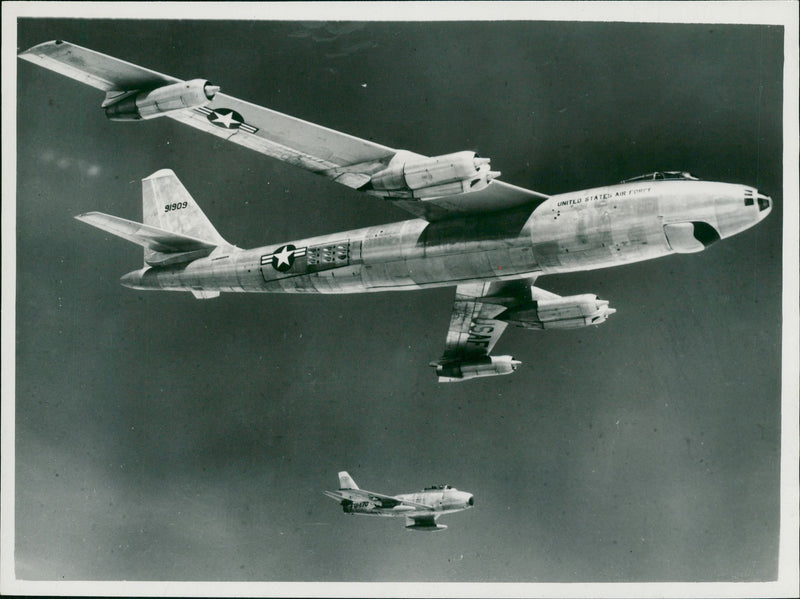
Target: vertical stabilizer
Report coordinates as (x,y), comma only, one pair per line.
(346,481)
(167,205)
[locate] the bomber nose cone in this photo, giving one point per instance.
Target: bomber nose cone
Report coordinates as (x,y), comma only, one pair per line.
(471,501)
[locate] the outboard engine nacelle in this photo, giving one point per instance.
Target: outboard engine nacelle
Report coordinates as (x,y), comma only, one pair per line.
(462,370)
(136,105)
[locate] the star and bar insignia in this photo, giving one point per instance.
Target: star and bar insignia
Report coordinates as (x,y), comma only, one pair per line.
(226,118)
(283,258)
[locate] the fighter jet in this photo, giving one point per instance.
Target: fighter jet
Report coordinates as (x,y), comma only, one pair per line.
(420,509)
(489,239)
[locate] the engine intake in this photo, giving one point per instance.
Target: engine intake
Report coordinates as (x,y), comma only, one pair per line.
(570,312)
(136,105)
(412,176)
(462,370)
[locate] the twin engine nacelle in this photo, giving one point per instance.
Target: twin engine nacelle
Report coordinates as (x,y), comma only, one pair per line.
(462,370)
(570,312)
(136,105)
(412,176)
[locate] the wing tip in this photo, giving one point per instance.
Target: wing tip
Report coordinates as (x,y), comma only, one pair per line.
(36,50)
(86,217)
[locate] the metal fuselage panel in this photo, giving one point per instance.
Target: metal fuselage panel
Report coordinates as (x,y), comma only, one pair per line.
(441,502)
(584,230)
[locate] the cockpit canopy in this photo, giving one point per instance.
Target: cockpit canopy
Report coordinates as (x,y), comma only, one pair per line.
(663,176)
(438,488)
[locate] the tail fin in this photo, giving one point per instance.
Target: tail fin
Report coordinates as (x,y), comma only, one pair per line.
(167,205)
(175,230)
(346,481)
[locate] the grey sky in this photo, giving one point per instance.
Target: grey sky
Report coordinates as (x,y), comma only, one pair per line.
(163,438)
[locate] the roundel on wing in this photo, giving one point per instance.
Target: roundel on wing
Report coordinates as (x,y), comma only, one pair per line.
(225,118)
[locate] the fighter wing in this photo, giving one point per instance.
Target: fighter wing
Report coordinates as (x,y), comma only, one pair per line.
(385,501)
(431,188)
(475,329)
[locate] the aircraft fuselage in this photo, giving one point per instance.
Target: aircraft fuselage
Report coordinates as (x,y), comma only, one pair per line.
(445,501)
(582,230)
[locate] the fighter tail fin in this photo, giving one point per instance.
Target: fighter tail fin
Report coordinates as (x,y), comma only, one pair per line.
(175,230)
(346,481)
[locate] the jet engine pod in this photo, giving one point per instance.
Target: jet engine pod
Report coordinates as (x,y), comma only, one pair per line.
(410,175)
(570,312)
(136,105)
(461,370)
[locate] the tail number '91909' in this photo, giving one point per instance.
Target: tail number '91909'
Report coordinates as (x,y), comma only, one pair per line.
(176,206)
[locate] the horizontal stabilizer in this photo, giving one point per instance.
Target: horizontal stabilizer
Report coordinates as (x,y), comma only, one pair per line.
(165,247)
(337,496)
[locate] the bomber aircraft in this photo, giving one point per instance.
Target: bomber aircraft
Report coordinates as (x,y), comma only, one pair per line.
(421,509)
(488,238)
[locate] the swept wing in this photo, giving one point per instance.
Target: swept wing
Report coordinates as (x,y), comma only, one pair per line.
(384,501)
(432,188)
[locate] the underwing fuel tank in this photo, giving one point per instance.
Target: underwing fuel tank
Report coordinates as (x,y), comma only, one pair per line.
(570,312)
(426,527)
(462,370)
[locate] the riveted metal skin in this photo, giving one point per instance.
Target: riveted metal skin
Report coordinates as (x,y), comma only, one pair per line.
(584,230)
(488,238)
